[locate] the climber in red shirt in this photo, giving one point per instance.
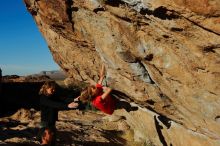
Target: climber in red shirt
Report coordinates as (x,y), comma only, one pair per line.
(99,96)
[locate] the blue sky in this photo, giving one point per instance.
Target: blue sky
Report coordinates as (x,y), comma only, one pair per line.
(23,50)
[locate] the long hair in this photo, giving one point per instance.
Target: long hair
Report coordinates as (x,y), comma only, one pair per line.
(46,85)
(86,94)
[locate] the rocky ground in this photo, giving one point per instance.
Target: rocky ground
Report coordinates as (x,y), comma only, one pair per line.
(75,128)
(20,118)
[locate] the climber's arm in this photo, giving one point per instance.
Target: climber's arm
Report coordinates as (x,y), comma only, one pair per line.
(101,74)
(106,93)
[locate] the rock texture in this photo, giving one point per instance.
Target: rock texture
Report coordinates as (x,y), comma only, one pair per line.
(73,129)
(162,55)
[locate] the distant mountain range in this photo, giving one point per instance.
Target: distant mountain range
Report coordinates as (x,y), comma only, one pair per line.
(55,74)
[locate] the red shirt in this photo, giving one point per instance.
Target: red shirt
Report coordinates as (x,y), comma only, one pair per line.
(107,105)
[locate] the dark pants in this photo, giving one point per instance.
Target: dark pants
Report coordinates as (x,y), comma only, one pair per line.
(120,104)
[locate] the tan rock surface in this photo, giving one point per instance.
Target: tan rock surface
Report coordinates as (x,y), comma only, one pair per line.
(73,128)
(163,55)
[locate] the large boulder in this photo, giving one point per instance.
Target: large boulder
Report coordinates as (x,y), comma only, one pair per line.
(162,55)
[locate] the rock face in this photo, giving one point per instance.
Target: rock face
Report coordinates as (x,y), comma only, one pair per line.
(162,55)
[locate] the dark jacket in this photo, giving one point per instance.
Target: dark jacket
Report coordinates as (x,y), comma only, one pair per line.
(50,105)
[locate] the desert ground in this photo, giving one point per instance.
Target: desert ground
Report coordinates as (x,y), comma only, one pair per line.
(74,128)
(20,118)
